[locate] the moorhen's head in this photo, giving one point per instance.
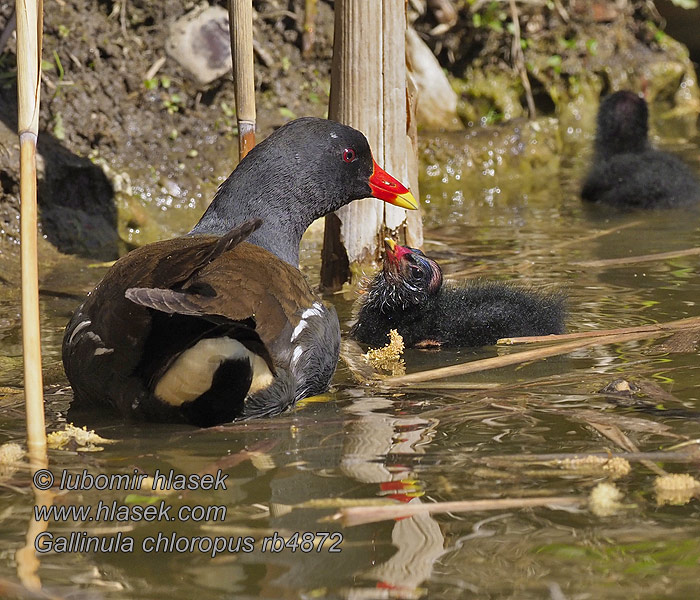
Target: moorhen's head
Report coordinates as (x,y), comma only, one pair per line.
(304,170)
(623,124)
(408,278)
(332,162)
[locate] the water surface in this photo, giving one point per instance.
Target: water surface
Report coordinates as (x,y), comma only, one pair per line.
(422,444)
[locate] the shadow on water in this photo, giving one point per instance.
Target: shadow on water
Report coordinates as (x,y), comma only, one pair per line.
(77,210)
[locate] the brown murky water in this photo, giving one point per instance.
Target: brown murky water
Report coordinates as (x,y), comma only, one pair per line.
(440,441)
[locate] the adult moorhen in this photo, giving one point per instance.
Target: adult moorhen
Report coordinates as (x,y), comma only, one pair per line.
(626,171)
(221,325)
(408,295)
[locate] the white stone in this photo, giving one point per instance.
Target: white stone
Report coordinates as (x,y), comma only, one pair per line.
(201,43)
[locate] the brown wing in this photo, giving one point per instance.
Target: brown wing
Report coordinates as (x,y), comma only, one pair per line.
(241,283)
(104,341)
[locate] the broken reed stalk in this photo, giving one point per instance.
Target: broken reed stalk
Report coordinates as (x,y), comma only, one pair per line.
(360,515)
(631,260)
(520,459)
(29,23)
(618,437)
(586,238)
(514,359)
(368,92)
(241,30)
(688,323)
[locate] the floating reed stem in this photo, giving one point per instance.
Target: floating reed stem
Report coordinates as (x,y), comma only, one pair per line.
(359,515)
(631,260)
(525,356)
(688,323)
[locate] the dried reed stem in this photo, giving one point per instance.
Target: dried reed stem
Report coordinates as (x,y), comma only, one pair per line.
(29,24)
(359,515)
(514,359)
(241,28)
(630,260)
(688,323)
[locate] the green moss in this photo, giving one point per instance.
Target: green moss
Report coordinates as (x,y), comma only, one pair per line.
(487,95)
(568,73)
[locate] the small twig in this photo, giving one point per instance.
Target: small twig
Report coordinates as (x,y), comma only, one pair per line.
(688,323)
(75,60)
(122,17)
(551,249)
(308,33)
(9,28)
(457,385)
(155,67)
(263,54)
(562,11)
(360,515)
(630,260)
(586,238)
(519,59)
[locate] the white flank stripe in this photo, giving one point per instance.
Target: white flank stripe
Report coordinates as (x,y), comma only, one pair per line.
(298,351)
(313,311)
(298,329)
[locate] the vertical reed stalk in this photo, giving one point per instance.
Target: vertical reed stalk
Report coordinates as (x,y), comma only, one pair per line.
(29,23)
(241,28)
(29,26)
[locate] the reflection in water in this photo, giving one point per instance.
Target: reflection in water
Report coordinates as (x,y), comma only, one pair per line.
(419,541)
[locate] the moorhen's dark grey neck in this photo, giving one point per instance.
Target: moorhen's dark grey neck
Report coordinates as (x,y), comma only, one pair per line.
(245,195)
(293,177)
(623,125)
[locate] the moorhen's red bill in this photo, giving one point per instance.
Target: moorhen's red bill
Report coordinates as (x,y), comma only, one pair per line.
(408,295)
(221,325)
(626,171)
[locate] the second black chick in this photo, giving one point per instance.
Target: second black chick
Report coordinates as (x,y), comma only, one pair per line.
(408,295)
(626,171)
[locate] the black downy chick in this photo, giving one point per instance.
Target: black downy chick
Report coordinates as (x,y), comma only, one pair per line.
(626,171)
(408,295)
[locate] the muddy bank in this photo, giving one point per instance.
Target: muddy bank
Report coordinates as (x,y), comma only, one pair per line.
(560,59)
(123,143)
(127,135)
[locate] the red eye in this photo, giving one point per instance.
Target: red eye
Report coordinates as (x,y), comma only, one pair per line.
(349,155)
